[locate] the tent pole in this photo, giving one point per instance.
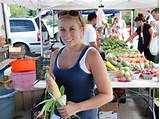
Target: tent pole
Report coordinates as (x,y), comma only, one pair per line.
(40,31)
(53,16)
(132,25)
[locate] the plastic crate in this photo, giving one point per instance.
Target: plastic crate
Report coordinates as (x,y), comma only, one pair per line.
(23,65)
(23,81)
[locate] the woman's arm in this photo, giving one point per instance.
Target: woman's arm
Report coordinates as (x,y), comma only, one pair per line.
(131,37)
(151,36)
(99,71)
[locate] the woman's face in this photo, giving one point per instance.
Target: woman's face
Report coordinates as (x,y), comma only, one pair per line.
(70,31)
(155,15)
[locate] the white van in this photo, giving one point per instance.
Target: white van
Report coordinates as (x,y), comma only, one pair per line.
(24,32)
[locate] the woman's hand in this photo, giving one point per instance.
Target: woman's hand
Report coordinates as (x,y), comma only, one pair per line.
(68,110)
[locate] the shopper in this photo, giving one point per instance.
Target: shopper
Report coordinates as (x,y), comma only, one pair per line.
(119,28)
(78,68)
(90,36)
(154,49)
(145,32)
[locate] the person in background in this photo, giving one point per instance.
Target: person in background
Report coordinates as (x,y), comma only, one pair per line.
(149,17)
(145,33)
(78,68)
(119,27)
(100,37)
(90,36)
(155,24)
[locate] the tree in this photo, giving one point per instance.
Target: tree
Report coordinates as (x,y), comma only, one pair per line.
(19,11)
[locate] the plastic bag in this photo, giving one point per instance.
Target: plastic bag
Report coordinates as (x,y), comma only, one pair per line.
(154,46)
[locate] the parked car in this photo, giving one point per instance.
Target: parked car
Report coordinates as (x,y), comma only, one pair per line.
(24,32)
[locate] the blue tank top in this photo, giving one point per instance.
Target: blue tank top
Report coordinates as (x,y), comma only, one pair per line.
(79,86)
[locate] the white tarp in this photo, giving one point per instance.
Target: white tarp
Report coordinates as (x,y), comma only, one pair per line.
(83,4)
(55,4)
(129,4)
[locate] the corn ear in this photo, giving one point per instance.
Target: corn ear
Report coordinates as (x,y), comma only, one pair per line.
(53,88)
(110,66)
(62,100)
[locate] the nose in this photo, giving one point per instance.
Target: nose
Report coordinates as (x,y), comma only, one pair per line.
(67,35)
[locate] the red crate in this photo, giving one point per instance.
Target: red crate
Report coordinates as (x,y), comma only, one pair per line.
(23,65)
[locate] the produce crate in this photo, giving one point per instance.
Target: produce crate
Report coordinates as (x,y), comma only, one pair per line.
(26,99)
(23,81)
(109,110)
(23,65)
(5,82)
(112,106)
(16,52)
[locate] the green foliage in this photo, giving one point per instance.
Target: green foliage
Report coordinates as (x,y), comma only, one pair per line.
(19,11)
(52,22)
(62,90)
(109,19)
(32,13)
(52,103)
(127,18)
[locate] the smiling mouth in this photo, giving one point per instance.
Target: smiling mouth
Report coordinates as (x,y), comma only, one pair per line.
(68,40)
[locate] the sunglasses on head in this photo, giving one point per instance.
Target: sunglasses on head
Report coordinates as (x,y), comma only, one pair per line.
(71,13)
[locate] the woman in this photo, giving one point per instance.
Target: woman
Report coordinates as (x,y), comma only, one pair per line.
(78,68)
(145,33)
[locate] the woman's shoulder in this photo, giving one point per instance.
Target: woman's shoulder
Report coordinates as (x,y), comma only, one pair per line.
(92,53)
(54,54)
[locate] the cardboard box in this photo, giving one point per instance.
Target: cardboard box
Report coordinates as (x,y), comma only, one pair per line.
(26,99)
(112,106)
(16,52)
(2,40)
(108,115)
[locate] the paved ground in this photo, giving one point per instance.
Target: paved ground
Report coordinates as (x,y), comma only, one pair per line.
(132,109)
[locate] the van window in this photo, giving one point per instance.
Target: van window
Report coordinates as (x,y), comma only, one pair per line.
(21,25)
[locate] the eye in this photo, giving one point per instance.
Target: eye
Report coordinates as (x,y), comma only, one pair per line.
(62,30)
(72,29)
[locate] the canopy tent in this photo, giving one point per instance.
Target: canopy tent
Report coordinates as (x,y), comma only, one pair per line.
(129,4)
(83,4)
(55,4)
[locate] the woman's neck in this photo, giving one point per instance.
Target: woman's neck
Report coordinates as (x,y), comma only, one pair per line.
(142,26)
(76,48)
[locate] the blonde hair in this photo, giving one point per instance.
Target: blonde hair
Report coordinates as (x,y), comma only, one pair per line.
(79,19)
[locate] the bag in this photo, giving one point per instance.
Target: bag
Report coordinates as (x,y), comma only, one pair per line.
(154,46)
(140,45)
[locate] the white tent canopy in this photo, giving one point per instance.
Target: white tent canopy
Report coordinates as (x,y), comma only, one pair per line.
(83,4)
(129,4)
(55,4)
